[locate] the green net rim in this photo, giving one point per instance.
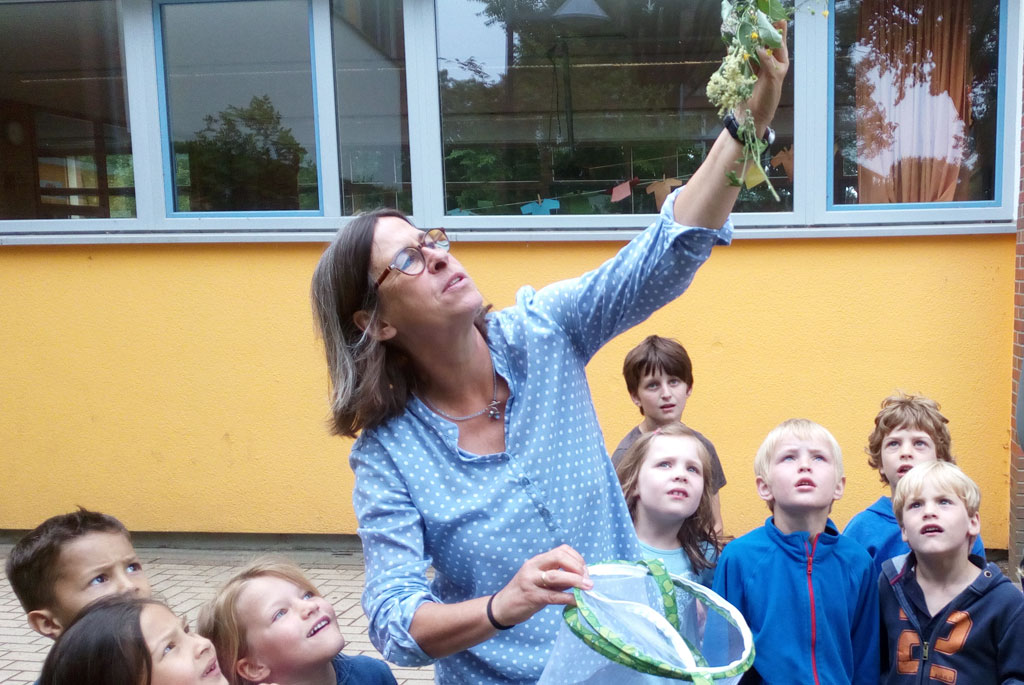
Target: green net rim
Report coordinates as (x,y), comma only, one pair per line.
(585,625)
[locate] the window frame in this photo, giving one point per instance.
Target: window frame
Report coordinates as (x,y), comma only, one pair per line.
(167,152)
(812,217)
(937,212)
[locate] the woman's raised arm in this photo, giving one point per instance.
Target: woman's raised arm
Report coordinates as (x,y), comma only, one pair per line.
(707,199)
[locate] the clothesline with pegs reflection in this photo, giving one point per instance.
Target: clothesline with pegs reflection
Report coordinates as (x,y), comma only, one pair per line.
(583,193)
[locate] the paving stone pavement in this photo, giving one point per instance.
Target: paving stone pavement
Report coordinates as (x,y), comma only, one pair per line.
(184,579)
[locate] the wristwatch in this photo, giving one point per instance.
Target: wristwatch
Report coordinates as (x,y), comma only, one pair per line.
(733,127)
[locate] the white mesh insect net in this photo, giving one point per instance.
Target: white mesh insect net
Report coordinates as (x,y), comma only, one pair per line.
(641,626)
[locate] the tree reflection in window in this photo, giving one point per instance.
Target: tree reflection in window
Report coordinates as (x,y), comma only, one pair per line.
(244,159)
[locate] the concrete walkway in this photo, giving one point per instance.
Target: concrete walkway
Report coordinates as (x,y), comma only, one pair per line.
(185,579)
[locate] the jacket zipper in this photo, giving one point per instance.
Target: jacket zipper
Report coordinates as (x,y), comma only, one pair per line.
(810,591)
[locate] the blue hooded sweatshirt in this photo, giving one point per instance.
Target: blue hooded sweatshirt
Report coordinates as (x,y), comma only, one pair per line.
(361,670)
(811,604)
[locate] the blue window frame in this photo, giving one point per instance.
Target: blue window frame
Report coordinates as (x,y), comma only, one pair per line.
(238,108)
(923,132)
(154,197)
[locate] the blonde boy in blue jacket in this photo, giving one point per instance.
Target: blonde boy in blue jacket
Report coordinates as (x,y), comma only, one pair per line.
(808,594)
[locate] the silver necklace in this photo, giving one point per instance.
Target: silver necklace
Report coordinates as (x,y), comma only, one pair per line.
(492,410)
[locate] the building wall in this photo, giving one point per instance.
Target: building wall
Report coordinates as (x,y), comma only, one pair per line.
(182,387)
(1016,513)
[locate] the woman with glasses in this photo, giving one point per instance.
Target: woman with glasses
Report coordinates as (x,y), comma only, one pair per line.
(479,452)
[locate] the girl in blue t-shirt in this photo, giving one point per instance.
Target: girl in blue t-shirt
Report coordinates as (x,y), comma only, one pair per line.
(663,480)
(271,625)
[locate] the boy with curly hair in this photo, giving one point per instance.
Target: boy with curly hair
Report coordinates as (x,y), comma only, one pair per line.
(909,430)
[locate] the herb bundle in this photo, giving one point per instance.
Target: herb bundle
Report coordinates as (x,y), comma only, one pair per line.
(746,26)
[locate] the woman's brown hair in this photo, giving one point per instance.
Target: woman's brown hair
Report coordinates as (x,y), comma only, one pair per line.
(371,380)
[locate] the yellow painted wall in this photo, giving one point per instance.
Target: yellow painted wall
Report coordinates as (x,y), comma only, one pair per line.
(182,388)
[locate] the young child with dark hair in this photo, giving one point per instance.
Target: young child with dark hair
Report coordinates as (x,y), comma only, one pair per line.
(270,624)
(68,561)
(669,498)
(807,592)
(947,616)
(659,379)
(909,430)
(122,640)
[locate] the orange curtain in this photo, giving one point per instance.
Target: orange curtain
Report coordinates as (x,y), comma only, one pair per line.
(913,99)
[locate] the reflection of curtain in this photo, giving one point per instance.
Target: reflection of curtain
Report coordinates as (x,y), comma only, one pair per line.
(913,101)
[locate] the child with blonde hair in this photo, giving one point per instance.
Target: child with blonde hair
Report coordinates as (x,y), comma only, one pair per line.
(807,592)
(909,430)
(947,616)
(269,624)
(666,480)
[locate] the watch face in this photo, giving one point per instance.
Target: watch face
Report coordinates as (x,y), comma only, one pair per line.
(769,135)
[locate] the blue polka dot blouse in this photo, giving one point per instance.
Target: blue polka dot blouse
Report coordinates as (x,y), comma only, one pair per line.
(422,501)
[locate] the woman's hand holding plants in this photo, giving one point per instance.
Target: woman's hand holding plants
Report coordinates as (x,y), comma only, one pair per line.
(748,83)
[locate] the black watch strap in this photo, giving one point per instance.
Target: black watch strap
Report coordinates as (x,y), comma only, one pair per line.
(733,127)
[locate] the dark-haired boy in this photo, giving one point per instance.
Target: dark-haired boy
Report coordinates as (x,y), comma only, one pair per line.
(68,561)
(659,379)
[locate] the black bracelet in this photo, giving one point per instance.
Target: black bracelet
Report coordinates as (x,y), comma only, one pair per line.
(730,124)
(490,616)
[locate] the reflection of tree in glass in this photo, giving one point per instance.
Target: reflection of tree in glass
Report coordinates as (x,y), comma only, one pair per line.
(636,89)
(501,162)
(244,160)
(913,65)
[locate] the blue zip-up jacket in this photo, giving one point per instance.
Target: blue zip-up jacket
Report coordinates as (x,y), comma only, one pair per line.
(878,531)
(978,638)
(811,604)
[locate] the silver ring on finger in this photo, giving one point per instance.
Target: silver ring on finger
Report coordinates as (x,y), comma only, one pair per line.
(544,579)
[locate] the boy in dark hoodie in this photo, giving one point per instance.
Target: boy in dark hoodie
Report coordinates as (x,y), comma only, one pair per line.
(947,616)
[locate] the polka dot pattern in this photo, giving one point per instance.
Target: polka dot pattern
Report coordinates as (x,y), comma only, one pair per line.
(421,501)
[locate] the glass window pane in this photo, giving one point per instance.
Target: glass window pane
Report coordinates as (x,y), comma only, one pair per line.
(373,116)
(240,105)
(915,93)
(566,99)
(61,102)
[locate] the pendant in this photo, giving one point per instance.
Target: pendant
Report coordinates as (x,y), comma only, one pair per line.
(493,411)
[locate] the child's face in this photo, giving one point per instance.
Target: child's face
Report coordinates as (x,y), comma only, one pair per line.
(671,479)
(937,522)
(802,476)
(179,657)
(661,397)
(289,630)
(902,450)
(92,566)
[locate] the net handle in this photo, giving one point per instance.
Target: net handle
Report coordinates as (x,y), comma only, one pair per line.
(667,587)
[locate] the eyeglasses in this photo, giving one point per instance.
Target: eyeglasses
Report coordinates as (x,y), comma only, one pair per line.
(410,260)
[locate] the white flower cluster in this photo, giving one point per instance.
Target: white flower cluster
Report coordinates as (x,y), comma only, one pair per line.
(730,24)
(733,83)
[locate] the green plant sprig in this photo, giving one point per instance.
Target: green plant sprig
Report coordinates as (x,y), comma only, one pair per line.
(747,25)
